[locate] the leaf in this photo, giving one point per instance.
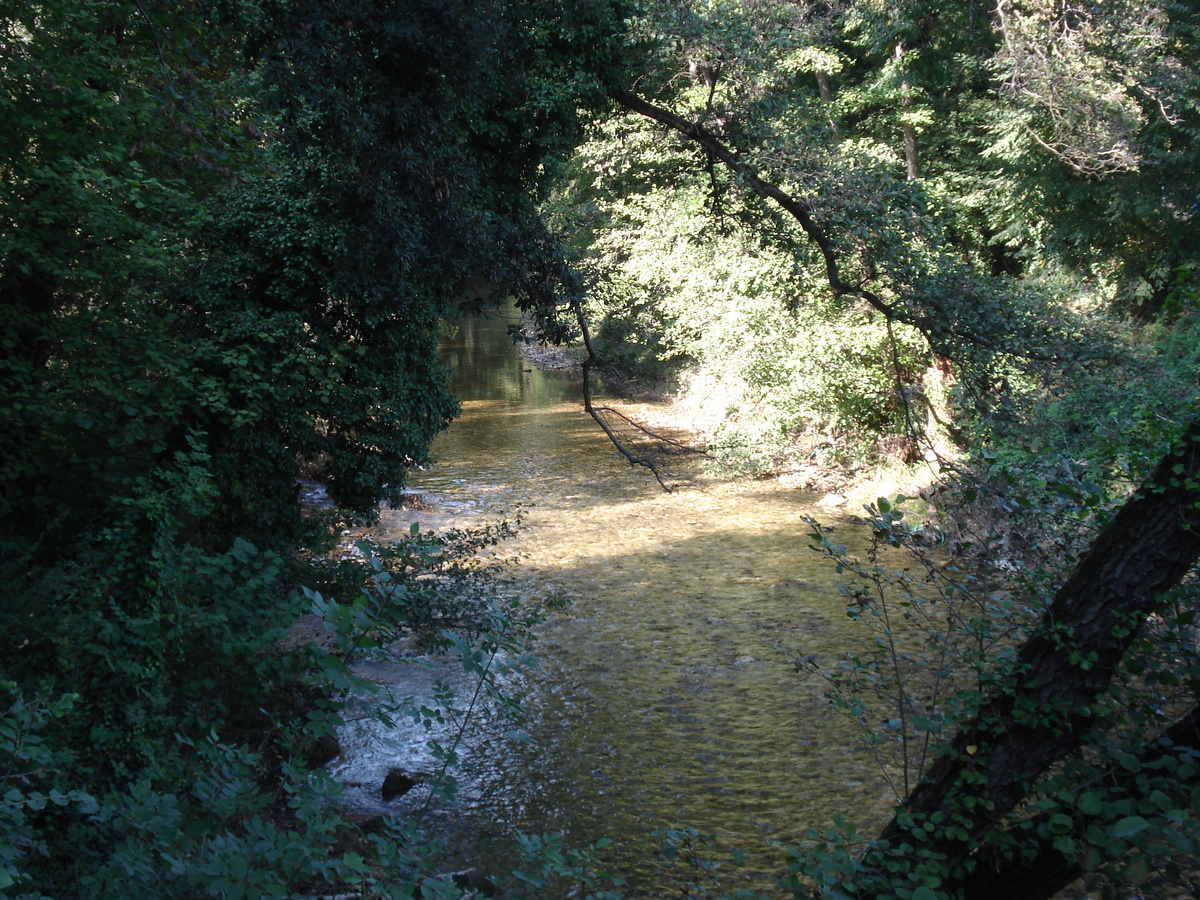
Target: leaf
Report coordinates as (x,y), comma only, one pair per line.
(1060,823)
(1179,841)
(1127,826)
(1128,761)
(1090,804)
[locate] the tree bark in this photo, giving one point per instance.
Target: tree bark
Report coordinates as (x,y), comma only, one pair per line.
(1040,713)
(825,89)
(911,162)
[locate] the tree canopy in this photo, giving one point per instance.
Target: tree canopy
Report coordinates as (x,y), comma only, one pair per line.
(231,234)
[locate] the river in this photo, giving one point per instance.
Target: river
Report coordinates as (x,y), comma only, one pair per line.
(668,693)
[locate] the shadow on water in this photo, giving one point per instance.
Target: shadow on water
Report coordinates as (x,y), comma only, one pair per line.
(668,693)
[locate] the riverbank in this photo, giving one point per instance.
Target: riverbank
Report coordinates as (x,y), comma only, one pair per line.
(811,465)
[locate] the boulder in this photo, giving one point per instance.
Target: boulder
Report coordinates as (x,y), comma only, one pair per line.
(398,783)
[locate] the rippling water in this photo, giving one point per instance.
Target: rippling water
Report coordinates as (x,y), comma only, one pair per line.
(668,693)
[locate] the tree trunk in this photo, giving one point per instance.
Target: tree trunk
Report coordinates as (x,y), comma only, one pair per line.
(911,162)
(826,92)
(910,152)
(1041,712)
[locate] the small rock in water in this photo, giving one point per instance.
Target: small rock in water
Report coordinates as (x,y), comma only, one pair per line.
(398,783)
(322,750)
(472,882)
(784,584)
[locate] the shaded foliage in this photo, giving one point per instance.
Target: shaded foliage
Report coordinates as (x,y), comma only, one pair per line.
(231,232)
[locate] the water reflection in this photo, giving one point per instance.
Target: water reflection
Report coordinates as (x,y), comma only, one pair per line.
(668,693)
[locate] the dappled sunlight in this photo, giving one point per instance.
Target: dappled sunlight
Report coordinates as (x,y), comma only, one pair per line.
(668,693)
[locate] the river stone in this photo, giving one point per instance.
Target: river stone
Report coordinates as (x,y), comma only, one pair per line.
(398,783)
(475,882)
(322,750)
(472,882)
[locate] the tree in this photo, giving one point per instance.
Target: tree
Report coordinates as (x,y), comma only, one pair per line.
(1041,710)
(231,232)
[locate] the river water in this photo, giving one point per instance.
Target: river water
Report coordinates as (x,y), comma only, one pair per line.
(668,693)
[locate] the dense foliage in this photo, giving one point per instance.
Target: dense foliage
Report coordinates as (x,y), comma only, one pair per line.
(943,158)
(231,232)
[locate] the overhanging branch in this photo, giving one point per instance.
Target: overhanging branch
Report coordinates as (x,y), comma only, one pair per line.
(796,208)
(936,328)
(601,414)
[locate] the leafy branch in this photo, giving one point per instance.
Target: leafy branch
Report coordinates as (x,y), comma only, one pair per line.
(939,324)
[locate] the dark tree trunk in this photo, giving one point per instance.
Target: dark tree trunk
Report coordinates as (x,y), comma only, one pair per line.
(1041,713)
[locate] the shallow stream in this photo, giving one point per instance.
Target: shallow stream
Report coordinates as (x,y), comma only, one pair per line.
(668,693)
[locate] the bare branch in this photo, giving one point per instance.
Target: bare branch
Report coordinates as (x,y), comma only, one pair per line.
(604,414)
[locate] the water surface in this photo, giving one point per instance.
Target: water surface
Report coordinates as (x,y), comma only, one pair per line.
(668,693)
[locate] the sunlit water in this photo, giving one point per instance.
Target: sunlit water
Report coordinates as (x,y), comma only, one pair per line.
(668,693)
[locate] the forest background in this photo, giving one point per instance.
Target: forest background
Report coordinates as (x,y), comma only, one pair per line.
(947,235)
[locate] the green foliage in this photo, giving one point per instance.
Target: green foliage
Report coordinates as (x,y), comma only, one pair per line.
(692,859)
(1049,467)
(423,584)
(680,295)
(226,802)
(1122,809)
(939,633)
(220,268)
(26,767)
(988,220)
(1102,129)
(562,868)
